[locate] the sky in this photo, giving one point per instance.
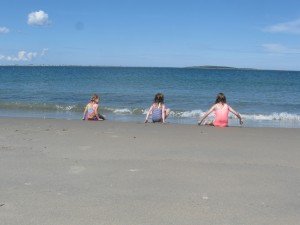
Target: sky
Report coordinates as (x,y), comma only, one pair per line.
(261,34)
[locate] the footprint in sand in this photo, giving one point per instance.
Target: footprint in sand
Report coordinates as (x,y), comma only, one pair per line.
(76,169)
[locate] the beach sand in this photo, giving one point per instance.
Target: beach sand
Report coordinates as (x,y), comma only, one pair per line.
(75,172)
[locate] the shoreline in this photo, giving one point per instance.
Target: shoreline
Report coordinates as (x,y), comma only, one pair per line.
(234,122)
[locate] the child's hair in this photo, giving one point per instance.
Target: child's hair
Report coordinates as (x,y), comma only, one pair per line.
(159,98)
(220,98)
(94,97)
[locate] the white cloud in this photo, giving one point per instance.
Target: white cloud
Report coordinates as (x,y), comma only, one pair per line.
(292,27)
(38,18)
(31,55)
(274,48)
(44,51)
(23,56)
(4,30)
(279,49)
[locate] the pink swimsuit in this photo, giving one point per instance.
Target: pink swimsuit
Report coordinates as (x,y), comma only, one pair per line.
(91,108)
(221,116)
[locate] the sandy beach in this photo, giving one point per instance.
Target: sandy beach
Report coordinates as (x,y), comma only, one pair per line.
(75,172)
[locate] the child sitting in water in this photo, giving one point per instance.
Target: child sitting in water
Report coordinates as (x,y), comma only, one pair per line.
(91,110)
(158,110)
(221,110)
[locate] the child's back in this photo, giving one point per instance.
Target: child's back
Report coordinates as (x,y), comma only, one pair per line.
(158,109)
(221,110)
(157,112)
(221,115)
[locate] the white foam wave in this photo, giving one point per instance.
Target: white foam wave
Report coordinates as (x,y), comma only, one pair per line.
(65,108)
(283,116)
(192,113)
(125,111)
(274,116)
(122,111)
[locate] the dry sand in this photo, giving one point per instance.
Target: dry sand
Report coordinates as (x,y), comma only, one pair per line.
(59,172)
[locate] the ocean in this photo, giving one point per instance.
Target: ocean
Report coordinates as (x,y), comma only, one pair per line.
(264,98)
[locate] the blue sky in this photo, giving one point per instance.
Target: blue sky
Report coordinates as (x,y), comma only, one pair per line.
(240,33)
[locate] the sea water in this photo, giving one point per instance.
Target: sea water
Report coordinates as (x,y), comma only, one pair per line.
(264,98)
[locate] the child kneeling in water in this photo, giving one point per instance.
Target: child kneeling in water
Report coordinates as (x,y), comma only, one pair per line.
(91,110)
(158,110)
(221,110)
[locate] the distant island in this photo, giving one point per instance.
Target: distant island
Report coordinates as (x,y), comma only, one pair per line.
(218,68)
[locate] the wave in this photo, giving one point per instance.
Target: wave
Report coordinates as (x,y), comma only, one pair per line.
(135,111)
(282,116)
(40,107)
(78,108)
(187,114)
(274,116)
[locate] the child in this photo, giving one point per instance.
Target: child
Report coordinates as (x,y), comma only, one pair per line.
(158,110)
(91,110)
(221,110)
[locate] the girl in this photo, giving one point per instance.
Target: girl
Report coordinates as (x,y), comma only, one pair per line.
(158,110)
(91,109)
(221,110)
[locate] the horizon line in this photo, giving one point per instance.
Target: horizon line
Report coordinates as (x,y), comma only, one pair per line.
(204,67)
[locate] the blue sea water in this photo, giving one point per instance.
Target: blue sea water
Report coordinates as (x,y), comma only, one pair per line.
(264,98)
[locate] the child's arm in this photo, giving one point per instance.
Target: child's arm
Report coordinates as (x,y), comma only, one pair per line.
(96,111)
(84,113)
(163,113)
(206,114)
(148,114)
(236,113)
